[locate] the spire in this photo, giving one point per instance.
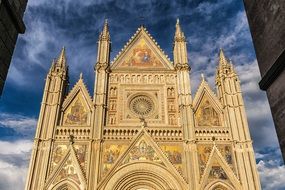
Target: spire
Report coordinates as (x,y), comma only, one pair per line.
(105,34)
(61,60)
(179,35)
(202,77)
(222,59)
(180,48)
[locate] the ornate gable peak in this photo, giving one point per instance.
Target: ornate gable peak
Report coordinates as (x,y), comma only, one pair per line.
(141,31)
(216,155)
(77,88)
(143,135)
(71,153)
(205,90)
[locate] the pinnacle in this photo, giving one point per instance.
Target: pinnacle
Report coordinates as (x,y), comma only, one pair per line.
(202,76)
(105,34)
(61,60)
(178,32)
(222,58)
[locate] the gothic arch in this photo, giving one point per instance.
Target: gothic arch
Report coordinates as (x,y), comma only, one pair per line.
(219,185)
(143,175)
(65,185)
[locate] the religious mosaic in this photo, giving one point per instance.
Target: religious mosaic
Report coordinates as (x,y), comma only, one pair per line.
(205,150)
(59,151)
(217,172)
(111,153)
(174,154)
(142,151)
(81,153)
(206,115)
(76,114)
(142,56)
(68,171)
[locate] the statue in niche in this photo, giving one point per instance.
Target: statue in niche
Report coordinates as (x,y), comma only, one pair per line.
(77,114)
(207,115)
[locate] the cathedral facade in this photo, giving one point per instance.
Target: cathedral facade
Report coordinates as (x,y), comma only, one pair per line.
(142,129)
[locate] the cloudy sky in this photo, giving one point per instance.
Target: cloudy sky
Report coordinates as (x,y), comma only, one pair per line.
(51,24)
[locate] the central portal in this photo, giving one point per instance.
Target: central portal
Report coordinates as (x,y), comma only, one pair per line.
(143,176)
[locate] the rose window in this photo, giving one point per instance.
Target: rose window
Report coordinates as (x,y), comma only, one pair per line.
(142,105)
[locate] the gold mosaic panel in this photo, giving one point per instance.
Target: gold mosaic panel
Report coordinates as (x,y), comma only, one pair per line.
(204,152)
(81,153)
(206,115)
(174,154)
(59,151)
(76,113)
(68,171)
(142,151)
(111,152)
(141,56)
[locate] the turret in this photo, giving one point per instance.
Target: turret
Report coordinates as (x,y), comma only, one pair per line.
(99,99)
(54,93)
(185,103)
(230,95)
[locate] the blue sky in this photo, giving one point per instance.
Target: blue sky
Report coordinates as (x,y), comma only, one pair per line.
(51,24)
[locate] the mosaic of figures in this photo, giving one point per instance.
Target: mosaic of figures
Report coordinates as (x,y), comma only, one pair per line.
(76,114)
(68,171)
(60,151)
(142,151)
(217,172)
(174,154)
(205,150)
(206,115)
(111,153)
(141,56)
(143,78)
(81,153)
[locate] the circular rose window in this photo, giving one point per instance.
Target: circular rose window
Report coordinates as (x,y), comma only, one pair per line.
(142,105)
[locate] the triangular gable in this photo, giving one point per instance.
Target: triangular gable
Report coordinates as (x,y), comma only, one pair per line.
(69,169)
(77,105)
(143,148)
(142,52)
(207,108)
(218,169)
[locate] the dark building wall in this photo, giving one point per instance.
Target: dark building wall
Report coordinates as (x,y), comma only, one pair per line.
(267,24)
(11,23)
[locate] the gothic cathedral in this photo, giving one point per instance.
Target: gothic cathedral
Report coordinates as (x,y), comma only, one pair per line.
(142,129)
